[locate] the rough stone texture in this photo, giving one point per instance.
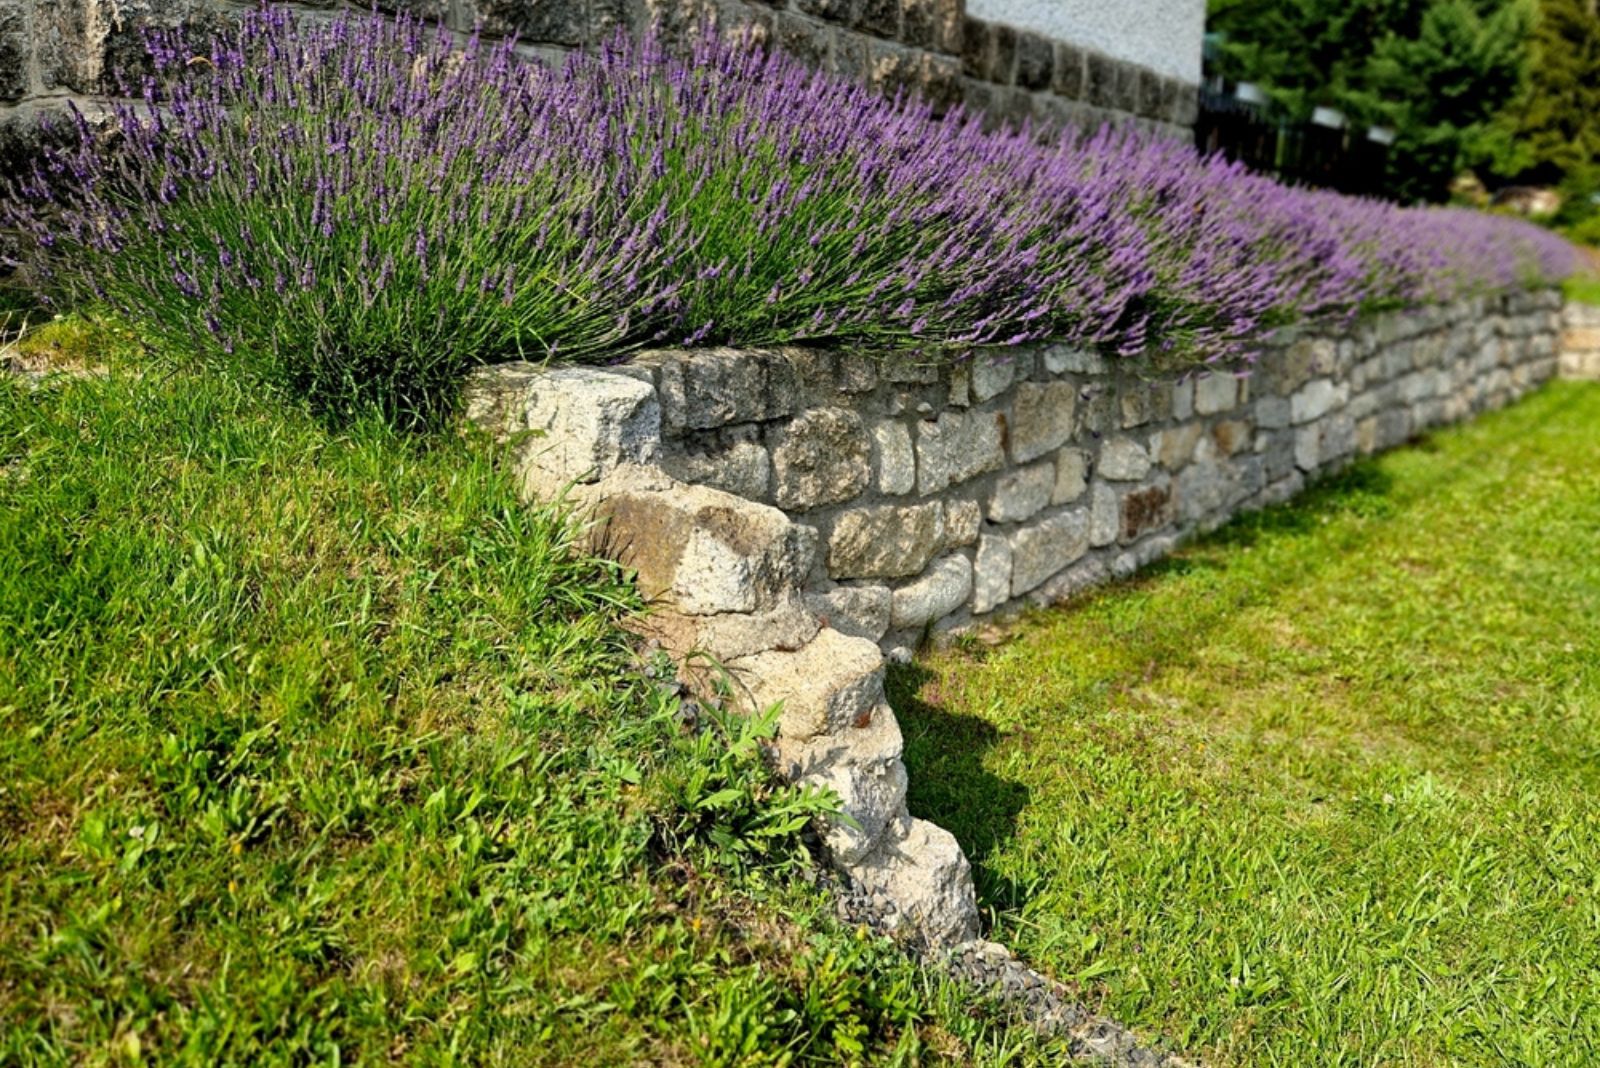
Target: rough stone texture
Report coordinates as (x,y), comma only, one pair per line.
(1022,493)
(955,447)
(572,424)
(858,611)
(1215,393)
(896,462)
(991,574)
(885,541)
(944,587)
(1041,549)
(821,457)
(705,551)
(732,460)
(1123,460)
(920,866)
(1072,476)
(723,386)
(1041,419)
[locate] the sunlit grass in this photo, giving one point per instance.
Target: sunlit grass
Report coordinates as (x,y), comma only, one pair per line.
(1322,789)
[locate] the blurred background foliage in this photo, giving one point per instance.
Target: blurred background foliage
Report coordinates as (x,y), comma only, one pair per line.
(1503,91)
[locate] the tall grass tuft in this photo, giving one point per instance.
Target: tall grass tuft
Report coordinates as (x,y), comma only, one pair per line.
(357,210)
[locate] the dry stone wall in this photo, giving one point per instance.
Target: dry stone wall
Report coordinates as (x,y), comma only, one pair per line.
(55,51)
(1580,342)
(798,515)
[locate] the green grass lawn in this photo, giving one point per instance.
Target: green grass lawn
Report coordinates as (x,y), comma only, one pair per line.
(1323,789)
(317,748)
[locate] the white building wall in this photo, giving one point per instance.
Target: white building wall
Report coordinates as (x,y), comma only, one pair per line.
(1163,35)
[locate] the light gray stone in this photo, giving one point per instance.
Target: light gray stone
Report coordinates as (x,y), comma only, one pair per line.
(962,519)
(861,764)
(955,447)
(1273,413)
(1062,587)
(856,611)
(1183,398)
(1202,487)
(944,587)
(1044,547)
(885,541)
(1123,460)
(896,461)
(1316,399)
(920,867)
(1022,493)
(718,387)
(732,460)
(1308,447)
(1215,393)
(704,551)
(821,457)
(1041,419)
(991,374)
(1072,476)
(1105,515)
(569,424)
(823,687)
(991,573)
(1061,359)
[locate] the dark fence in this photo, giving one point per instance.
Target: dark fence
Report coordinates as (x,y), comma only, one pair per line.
(1310,154)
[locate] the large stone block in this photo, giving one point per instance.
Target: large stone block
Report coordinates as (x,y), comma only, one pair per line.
(1022,493)
(885,541)
(1145,509)
(955,447)
(16,47)
(861,764)
(821,457)
(1042,548)
(717,387)
(1105,515)
(1041,419)
(704,551)
(733,459)
(824,688)
(921,868)
(1316,399)
(1123,460)
(1216,393)
(944,587)
(569,424)
(1072,476)
(857,611)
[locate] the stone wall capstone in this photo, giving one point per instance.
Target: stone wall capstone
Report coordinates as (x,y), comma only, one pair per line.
(800,515)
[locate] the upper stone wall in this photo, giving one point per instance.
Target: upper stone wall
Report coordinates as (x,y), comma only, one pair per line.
(52,51)
(1164,35)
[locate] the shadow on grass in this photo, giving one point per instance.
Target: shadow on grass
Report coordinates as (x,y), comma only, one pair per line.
(946,750)
(949,783)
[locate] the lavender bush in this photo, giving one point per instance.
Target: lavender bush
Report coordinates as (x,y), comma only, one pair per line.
(357,210)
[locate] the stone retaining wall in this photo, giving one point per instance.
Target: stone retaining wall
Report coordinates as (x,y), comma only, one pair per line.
(53,51)
(1580,342)
(798,514)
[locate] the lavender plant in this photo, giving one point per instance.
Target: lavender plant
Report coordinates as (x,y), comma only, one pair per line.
(357,210)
